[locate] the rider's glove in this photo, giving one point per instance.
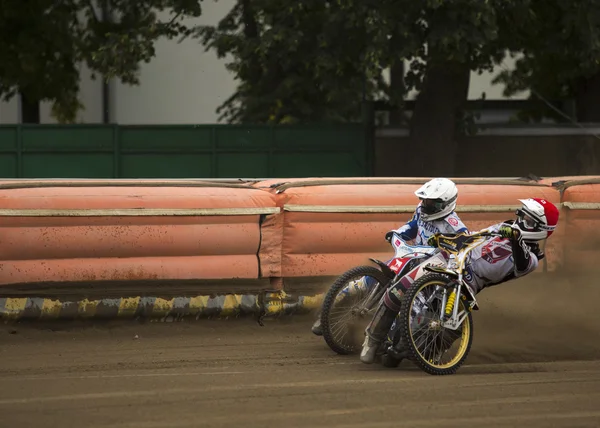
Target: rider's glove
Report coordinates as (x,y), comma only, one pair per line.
(509,232)
(432,241)
(389,235)
(535,249)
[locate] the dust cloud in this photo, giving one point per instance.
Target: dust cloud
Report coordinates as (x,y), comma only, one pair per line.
(543,317)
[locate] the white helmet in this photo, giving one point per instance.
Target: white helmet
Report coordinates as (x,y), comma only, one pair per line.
(536,219)
(438,198)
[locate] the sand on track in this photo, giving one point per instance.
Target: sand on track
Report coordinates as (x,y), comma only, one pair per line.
(535,361)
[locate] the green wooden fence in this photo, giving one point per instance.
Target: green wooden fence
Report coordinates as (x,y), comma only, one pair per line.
(182,151)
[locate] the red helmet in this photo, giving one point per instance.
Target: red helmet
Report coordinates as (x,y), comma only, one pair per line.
(536,219)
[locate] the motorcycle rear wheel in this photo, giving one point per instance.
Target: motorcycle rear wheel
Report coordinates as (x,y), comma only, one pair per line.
(343,326)
(429,357)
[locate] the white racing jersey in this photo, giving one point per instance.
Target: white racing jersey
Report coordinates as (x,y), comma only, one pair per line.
(492,262)
(420,230)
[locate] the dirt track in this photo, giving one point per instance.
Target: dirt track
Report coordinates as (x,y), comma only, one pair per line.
(536,367)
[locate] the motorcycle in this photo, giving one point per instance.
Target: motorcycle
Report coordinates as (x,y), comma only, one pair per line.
(349,303)
(436,310)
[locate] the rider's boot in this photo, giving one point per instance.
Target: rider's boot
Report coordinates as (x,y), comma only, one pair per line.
(376,333)
(316,327)
(398,351)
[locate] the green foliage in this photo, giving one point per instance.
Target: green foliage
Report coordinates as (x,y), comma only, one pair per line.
(312,60)
(470,32)
(308,60)
(559,43)
(43,43)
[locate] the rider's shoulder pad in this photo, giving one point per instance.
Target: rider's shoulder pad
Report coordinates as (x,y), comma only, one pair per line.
(454,221)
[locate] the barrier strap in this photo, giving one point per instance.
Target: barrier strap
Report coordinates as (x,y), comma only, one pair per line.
(31,183)
(135,212)
(282,187)
(582,205)
(411,208)
(391,208)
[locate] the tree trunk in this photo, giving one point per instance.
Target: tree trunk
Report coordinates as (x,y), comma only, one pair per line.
(30,110)
(586,100)
(433,127)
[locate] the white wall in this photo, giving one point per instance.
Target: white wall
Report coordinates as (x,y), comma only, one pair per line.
(90,96)
(9,111)
(482,83)
(184,84)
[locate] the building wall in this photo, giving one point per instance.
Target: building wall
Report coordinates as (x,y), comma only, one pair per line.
(184,84)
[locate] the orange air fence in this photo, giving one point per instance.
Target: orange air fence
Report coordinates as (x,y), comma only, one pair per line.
(331,225)
(580,222)
(96,230)
(124,230)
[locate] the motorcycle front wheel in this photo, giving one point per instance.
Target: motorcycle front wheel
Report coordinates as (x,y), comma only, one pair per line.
(348,307)
(433,348)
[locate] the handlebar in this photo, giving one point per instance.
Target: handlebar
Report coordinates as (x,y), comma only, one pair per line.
(450,235)
(486,234)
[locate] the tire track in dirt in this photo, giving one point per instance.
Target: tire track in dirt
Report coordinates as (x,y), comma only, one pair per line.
(534,361)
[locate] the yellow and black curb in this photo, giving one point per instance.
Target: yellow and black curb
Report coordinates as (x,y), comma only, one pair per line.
(265,304)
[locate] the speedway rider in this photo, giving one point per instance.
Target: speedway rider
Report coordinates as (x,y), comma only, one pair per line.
(434,214)
(498,259)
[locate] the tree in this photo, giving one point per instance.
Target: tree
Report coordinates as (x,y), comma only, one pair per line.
(43,42)
(560,46)
(445,40)
(314,60)
(310,60)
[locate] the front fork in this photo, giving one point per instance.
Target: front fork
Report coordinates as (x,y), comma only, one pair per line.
(449,315)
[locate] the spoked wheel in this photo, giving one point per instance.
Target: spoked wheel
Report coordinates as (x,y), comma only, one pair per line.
(435,349)
(348,307)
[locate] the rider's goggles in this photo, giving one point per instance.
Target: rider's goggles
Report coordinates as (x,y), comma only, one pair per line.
(526,221)
(430,206)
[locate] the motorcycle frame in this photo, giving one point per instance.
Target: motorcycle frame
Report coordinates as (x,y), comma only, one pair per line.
(377,293)
(460,251)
